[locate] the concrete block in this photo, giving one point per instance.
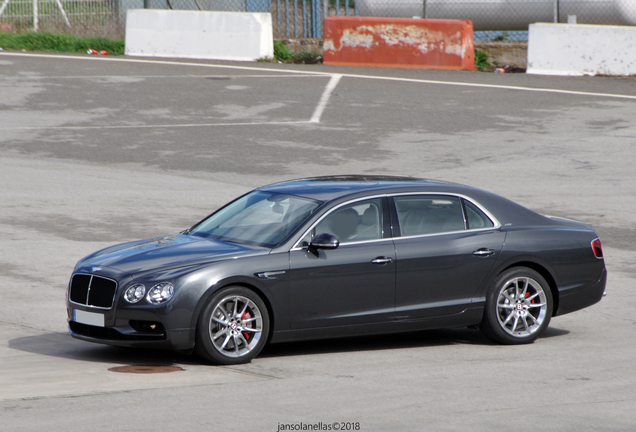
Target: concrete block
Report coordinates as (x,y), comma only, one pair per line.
(580,49)
(199,34)
(396,42)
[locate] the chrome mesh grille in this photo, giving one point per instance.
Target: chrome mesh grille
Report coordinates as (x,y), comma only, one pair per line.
(92,290)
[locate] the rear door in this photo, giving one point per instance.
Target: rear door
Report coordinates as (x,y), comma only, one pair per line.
(445,248)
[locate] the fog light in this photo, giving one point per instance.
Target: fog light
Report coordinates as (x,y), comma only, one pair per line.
(161,293)
(135,293)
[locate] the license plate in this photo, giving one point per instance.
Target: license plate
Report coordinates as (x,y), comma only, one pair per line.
(89,318)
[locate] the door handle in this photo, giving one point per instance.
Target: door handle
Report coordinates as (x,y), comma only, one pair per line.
(382,260)
(483,252)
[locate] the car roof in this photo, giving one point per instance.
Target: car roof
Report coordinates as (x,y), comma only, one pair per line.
(332,187)
(342,187)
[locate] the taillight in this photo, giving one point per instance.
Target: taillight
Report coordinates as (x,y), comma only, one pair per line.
(597,248)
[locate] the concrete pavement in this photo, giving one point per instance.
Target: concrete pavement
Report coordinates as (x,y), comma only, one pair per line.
(97,152)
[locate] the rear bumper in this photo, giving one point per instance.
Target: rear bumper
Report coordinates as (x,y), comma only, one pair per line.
(573,299)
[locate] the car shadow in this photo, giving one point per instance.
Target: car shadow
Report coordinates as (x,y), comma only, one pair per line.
(420,339)
(64,346)
(554,332)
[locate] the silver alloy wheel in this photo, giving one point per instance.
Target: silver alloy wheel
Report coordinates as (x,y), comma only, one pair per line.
(521,306)
(235,326)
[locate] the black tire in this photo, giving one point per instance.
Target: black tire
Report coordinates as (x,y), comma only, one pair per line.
(233,326)
(518,307)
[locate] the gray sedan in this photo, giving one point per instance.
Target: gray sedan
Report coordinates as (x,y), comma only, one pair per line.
(339,256)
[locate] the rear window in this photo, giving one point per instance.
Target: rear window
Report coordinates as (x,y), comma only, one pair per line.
(475,218)
(429,214)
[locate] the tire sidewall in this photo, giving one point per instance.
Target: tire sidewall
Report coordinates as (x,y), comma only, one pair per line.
(204,345)
(490,323)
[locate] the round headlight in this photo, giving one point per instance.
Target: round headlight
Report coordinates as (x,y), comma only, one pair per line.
(161,293)
(135,293)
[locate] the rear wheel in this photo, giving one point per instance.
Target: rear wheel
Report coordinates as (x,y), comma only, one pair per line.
(233,326)
(518,307)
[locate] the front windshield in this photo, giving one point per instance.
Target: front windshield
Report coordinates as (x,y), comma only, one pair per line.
(258,218)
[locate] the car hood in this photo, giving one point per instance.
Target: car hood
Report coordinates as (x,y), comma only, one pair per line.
(163,253)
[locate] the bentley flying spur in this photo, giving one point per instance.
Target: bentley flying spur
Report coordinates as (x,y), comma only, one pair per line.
(339,256)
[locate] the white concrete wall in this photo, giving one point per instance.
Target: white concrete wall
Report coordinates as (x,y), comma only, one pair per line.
(199,34)
(580,49)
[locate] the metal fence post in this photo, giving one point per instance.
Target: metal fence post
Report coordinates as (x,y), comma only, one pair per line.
(556,11)
(296,19)
(278,24)
(286,18)
(315,19)
(35,16)
(325,13)
(305,20)
(116,10)
(146,4)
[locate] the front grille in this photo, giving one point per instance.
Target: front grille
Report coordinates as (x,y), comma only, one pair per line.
(93,290)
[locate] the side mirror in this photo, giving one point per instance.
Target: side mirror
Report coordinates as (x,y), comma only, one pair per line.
(325,241)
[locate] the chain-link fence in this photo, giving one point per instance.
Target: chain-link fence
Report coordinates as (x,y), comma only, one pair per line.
(290,18)
(506,19)
(86,17)
(492,19)
(297,18)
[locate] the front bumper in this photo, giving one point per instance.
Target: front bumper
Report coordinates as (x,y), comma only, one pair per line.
(129,328)
(176,340)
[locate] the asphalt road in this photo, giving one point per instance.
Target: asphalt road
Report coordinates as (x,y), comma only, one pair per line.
(95,151)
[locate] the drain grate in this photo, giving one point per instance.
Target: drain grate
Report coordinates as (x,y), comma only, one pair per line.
(145,369)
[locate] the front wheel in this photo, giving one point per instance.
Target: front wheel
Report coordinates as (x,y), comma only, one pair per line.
(233,326)
(518,307)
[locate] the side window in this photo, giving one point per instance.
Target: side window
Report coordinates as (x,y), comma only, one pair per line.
(476,218)
(356,222)
(429,214)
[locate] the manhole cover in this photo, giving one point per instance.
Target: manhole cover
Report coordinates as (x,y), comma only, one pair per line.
(145,369)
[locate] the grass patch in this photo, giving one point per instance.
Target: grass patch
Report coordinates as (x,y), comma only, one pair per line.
(481,61)
(283,55)
(59,43)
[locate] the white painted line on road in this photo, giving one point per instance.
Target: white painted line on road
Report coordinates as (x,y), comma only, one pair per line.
(164,62)
(324,99)
(154,126)
(495,86)
(296,72)
(210,77)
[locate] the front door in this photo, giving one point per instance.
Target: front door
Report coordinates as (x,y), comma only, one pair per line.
(352,284)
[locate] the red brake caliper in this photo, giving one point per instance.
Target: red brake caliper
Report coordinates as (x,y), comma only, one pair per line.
(247,335)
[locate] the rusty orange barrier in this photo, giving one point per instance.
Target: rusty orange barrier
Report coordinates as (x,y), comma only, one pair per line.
(398,42)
